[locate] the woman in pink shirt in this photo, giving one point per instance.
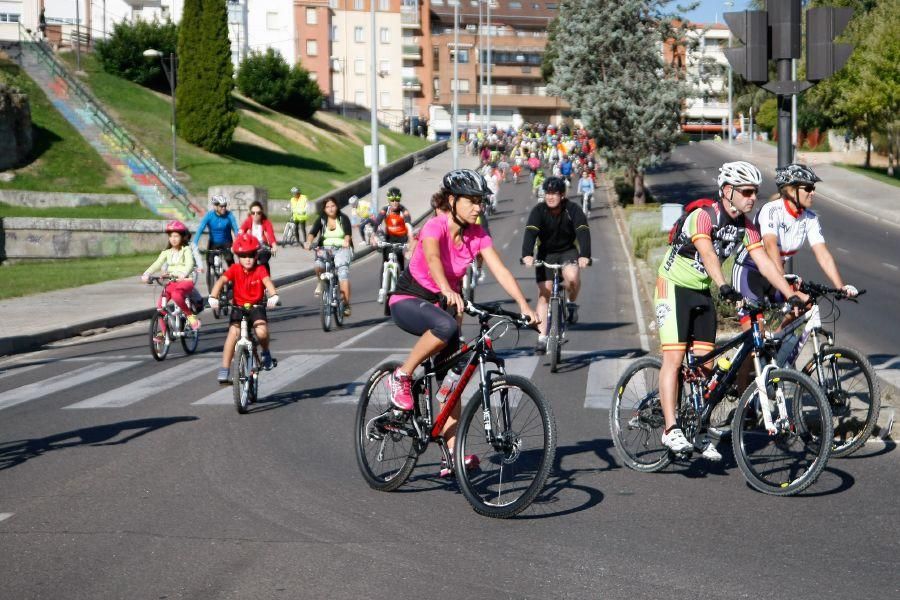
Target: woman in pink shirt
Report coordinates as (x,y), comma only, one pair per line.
(447,244)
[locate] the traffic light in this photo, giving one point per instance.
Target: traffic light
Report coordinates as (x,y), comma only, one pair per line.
(823,56)
(752,60)
(784,19)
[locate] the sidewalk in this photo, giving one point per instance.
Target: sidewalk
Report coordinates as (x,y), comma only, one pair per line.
(879,200)
(33,321)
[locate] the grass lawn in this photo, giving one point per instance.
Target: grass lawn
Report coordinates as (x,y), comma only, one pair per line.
(878,173)
(135,210)
(57,148)
(270,149)
(37,276)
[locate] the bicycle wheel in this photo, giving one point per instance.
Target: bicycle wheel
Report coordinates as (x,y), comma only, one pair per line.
(190,338)
(554,349)
(242,380)
(853,393)
(514,466)
(385,440)
(288,236)
(325,310)
(210,278)
(790,460)
(338,305)
(159,341)
(636,420)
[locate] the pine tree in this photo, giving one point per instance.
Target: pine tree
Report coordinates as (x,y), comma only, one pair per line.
(610,70)
(206,115)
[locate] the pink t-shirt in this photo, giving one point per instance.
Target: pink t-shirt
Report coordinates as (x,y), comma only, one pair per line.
(455,257)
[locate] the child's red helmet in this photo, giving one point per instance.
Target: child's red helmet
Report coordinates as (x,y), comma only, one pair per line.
(245,243)
(176,227)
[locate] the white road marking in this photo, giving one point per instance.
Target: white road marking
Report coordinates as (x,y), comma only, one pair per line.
(359,336)
(18,371)
(148,386)
(638,312)
(889,370)
(890,266)
(350,393)
(5,516)
(288,371)
(603,375)
(843,250)
(62,382)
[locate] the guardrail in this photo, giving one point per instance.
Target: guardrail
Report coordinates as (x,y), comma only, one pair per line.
(175,190)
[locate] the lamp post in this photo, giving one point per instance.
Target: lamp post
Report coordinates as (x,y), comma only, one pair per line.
(170,75)
(374,108)
(454,120)
(490,67)
(78,35)
(730,86)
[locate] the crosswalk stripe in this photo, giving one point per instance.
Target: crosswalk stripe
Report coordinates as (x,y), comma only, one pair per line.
(603,375)
(61,382)
(18,370)
(143,388)
(350,393)
(288,370)
(5,516)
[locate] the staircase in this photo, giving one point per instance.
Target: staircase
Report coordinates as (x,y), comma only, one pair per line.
(156,188)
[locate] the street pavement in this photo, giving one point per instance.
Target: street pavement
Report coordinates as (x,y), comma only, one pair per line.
(124,477)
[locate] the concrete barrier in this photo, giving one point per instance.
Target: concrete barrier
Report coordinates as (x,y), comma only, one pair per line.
(30,238)
(62,199)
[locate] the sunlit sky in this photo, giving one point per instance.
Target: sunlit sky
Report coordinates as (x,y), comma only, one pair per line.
(708,10)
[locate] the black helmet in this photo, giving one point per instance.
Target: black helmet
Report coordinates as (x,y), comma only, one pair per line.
(795,174)
(394,192)
(465,182)
(555,184)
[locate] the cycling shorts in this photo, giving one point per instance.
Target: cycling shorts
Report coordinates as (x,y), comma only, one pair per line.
(542,274)
(257,313)
(682,314)
(754,286)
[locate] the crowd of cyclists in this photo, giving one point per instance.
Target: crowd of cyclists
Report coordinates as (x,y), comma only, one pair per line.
(427,301)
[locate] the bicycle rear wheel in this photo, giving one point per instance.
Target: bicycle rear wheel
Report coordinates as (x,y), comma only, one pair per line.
(513,467)
(853,393)
(159,339)
(554,349)
(788,461)
(325,310)
(190,338)
(338,305)
(241,373)
(636,420)
(385,440)
(287,237)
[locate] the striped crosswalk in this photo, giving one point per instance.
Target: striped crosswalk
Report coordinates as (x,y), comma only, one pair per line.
(308,371)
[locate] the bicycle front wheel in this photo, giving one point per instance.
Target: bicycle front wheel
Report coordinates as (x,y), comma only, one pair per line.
(789,459)
(338,306)
(159,341)
(636,420)
(242,380)
(325,311)
(515,462)
(385,439)
(854,395)
(554,349)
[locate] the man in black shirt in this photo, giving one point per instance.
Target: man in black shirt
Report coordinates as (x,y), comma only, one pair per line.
(561,232)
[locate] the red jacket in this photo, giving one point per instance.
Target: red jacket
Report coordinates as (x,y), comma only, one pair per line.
(268,231)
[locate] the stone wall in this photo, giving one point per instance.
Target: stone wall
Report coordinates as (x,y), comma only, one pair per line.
(15,127)
(62,199)
(29,238)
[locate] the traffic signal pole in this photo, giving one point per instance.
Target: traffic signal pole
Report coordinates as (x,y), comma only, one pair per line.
(785,147)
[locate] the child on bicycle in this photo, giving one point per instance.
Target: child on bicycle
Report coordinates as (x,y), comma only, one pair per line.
(250,280)
(177,261)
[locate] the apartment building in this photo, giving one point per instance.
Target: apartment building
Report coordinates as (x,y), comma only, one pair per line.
(706,110)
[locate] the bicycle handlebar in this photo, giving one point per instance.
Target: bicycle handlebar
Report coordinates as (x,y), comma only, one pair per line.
(541,263)
(817,290)
(393,245)
(161,279)
(487,311)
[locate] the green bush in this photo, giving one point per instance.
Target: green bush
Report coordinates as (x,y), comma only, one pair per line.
(123,53)
(767,117)
(266,78)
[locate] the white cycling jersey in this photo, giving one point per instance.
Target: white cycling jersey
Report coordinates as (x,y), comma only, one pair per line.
(790,228)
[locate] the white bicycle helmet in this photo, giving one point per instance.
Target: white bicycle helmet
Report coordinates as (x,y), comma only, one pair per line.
(738,173)
(219,200)
(294,190)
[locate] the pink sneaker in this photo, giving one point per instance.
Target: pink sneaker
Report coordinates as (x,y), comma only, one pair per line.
(401,390)
(471,461)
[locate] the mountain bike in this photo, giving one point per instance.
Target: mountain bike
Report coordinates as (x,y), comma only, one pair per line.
(506,423)
(289,235)
(560,312)
(215,270)
(246,364)
(586,198)
(332,308)
(844,373)
(781,429)
(390,272)
(170,323)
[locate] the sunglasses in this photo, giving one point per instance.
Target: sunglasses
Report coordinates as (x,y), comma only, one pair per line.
(253,255)
(747,192)
(255,212)
(394,199)
(808,188)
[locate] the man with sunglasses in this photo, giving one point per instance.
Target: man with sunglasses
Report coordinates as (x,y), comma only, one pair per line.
(703,240)
(223,228)
(393,225)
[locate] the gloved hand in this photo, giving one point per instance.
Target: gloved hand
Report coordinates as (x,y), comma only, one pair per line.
(851,291)
(796,302)
(729,294)
(213,302)
(272,302)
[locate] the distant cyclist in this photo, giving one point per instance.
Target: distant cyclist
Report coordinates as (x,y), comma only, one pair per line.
(333,230)
(223,228)
(299,213)
(393,225)
(561,232)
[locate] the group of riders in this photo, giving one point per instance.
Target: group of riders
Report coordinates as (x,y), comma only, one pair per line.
(427,301)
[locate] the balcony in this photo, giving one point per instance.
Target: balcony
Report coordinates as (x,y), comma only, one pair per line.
(412,84)
(412,52)
(410,17)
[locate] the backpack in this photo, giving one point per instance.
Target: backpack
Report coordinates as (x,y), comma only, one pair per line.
(688,209)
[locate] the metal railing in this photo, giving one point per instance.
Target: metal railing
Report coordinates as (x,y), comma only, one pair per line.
(176,192)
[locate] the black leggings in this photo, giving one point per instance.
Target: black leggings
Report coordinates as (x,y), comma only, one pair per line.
(416,316)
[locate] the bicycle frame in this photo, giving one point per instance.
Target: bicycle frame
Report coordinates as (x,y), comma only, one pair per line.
(391,267)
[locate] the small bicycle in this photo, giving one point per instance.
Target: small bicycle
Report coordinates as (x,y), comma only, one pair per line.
(168,324)
(246,364)
(215,270)
(560,312)
(781,429)
(333,303)
(507,424)
(390,269)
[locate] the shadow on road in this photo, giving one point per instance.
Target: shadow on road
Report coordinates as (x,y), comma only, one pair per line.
(17,452)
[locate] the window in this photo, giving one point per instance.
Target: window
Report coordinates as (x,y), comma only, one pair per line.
(358,4)
(358,34)
(360,98)
(313,76)
(384,5)
(516,5)
(334,33)
(311,16)
(312,48)
(461,84)
(9,17)
(463,55)
(272,20)
(385,35)
(437,86)
(333,4)
(385,99)
(359,66)
(384,67)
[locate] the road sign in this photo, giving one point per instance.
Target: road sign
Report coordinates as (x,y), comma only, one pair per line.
(367,155)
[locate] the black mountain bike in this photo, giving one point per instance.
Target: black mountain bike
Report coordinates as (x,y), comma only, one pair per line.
(781,429)
(560,312)
(506,423)
(333,302)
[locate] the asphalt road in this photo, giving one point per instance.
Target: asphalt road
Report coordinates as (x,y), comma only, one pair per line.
(115,482)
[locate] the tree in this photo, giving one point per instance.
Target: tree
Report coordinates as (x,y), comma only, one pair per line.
(612,73)
(206,115)
(266,78)
(123,53)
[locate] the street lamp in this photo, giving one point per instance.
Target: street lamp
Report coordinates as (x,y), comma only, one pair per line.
(730,4)
(373,108)
(170,75)
(454,120)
